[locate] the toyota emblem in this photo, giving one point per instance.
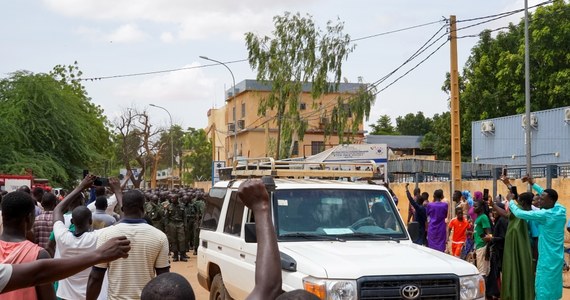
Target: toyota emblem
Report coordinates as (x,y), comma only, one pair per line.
(410,292)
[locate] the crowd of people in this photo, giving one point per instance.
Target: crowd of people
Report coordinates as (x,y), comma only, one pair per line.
(128,252)
(516,242)
(37,226)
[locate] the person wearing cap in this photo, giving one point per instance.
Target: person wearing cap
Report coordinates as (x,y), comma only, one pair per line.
(551,220)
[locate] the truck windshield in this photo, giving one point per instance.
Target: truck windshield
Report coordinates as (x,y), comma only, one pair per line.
(310,214)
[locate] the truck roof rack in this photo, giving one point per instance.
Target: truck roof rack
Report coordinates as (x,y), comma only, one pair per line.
(258,167)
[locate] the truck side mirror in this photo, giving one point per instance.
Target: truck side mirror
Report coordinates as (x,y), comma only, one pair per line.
(414,230)
(249,231)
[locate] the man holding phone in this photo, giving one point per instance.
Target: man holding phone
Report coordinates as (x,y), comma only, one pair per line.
(482,230)
(551,220)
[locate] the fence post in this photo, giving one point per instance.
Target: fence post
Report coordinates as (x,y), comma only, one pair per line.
(496,176)
(551,172)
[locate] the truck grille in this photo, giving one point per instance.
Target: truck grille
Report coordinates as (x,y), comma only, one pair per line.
(429,287)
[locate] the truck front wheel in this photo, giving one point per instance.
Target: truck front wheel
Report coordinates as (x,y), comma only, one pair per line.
(218,290)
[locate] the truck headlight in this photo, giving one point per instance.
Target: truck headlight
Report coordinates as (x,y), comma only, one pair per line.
(471,287)
(331,289)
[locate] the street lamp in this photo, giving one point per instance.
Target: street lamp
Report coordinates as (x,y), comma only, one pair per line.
(233,99)
(171,146)
(527,94)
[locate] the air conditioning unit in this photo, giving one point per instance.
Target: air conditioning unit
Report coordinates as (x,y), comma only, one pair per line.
(533,121)
(231,127)
(487,127)
(241,124)
(567,116)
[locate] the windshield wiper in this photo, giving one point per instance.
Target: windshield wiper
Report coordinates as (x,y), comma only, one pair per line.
(312,236)
(373,236)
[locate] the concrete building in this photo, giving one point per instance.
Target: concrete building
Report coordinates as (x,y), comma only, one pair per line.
(217,132)
(501,141)
(256,135)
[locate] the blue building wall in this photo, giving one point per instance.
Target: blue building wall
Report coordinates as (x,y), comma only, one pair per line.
(550,141)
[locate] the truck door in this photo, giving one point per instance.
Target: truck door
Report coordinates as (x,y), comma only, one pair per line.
(239,272)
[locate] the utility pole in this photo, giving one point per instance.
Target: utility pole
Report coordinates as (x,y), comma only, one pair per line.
(455,116)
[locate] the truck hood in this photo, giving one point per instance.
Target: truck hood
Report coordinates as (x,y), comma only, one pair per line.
(354,259)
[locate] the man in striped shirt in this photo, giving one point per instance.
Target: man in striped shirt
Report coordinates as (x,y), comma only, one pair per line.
(148,256)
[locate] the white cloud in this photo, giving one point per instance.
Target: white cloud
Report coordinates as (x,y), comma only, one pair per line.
(128,33)
(167,37)
(181,86)
(191,19)
(186,94)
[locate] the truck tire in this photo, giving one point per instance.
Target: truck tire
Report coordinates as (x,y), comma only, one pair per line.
(218,290)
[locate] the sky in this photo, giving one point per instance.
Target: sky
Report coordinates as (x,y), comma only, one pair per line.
(120,37)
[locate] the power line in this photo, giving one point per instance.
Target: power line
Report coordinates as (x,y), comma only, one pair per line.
(418,52)
(417,65)
(504,13)
(160,71)
(397,30)
(479,34)
(497,16)
(244,60)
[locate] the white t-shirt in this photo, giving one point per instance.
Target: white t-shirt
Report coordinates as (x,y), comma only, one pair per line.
(111,203)
(69,245)
(5,275)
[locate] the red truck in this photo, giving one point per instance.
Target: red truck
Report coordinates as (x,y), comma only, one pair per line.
(11,183)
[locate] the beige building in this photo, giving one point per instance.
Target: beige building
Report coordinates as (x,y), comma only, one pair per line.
(256,135)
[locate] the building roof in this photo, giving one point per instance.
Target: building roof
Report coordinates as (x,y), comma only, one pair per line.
(396,141)
(255,85)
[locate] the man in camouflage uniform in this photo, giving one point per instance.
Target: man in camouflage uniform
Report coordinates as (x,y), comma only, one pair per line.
(189,222)
(155,212)
(175,228)
(198,205)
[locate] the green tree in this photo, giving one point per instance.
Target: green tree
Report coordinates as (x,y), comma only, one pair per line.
(177,134)
(411,124)
(300,53)
(198,155)
(492,81)
(50,126)
(439,138)
(383,126)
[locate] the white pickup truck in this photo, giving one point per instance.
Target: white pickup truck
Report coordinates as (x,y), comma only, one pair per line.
(338,240)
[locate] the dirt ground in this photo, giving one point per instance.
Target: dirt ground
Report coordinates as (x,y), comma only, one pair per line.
(188,270)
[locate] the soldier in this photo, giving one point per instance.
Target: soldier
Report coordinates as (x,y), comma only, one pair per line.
(189,222)
(155,212)
(198,205)
(175,228)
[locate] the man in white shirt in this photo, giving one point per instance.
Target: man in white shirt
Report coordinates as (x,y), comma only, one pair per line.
(82,240)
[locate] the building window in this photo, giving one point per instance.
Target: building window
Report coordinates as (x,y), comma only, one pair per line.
(234,113)
(243,110)
(317,147)
(303,106)
(295,148)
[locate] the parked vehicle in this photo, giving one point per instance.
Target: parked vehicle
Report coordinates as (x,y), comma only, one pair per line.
(337,239)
